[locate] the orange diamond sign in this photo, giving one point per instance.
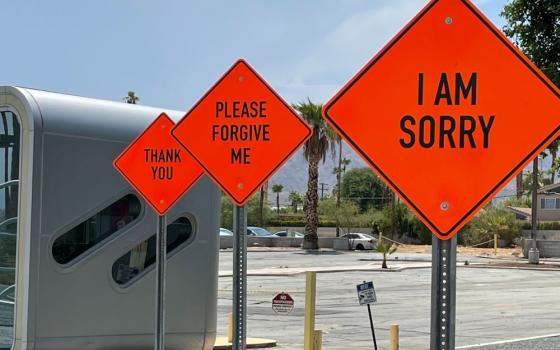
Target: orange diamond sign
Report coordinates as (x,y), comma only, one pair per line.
(241,132)
(447,113)
(157,166)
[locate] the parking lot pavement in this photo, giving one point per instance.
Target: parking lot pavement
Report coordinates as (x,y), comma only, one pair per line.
(492,304)
(546,343)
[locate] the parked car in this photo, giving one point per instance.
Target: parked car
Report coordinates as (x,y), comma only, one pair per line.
(360,241)
(289,234)
(224,232)
(7,298)
(257,231)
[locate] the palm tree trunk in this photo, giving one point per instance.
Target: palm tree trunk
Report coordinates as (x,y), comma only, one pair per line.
(384,264)
(311,240)
(519,184)
(261,207)
(553,155)
(338,178)
(277,202)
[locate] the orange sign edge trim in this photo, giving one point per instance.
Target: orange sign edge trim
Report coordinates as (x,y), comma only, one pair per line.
(160,213)
(502,183)
(246,199)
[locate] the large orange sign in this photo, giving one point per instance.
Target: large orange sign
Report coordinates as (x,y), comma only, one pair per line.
(447,113)
(241,132)
(157,166)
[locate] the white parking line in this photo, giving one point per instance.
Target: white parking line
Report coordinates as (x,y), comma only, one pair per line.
(509,341)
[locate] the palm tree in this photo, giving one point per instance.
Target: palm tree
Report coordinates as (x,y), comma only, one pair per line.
(385,249)
(131,98)
(263,198)
(314,150)
(277,189)
(296,199)
(553,149)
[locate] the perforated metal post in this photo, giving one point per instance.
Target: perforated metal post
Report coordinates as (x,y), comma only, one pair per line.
(444,268)
(161,252)
(239,278)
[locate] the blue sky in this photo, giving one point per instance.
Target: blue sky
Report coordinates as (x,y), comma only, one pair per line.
(171,52)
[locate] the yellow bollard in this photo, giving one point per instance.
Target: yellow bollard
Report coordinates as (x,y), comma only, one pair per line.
(318,339)
(230,328)
(394,337)
(495,244)
(309,318)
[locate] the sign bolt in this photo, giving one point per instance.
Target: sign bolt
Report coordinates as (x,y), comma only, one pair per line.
(240,78)
(240,185)
(444,206)
(448,20)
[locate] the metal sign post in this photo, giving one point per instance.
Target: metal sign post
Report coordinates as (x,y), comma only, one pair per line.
(444,267)
(366,296)
(161,253)
(239,278)
(372,328)
(161,185)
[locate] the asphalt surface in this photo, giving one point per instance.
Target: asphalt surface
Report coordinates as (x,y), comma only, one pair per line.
(493,305)
(548,343)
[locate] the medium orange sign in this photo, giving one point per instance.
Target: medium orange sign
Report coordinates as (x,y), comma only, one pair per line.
(241,132)
(447,113)
(157,166)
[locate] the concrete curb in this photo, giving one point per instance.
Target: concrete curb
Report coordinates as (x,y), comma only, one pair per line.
(252,343)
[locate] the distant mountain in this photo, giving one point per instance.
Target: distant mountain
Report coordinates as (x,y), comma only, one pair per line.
(293,175)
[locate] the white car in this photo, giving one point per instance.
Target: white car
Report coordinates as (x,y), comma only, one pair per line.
(360,241)
(293,234)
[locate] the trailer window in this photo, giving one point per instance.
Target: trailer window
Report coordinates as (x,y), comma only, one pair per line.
(143,255)
(96,229)
(9,193)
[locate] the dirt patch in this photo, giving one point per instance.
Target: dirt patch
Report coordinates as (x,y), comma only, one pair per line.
(501,252)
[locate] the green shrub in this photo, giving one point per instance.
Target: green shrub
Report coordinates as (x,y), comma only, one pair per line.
(489,221)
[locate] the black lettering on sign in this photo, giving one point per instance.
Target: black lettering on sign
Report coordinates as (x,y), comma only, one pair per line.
(155,155)
(412,136)
(240,155)
(241,109)
(470,89)
(461,90)
(443,91)
(165,155)
(447,130)
(162,172)
(245,132)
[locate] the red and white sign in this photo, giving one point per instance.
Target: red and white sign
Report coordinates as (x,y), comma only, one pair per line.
(447,113)
(157,166)
(282,303)
(241,132)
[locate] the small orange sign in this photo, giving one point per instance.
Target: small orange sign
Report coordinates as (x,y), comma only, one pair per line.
(157,166)
(241,132)
(447,113)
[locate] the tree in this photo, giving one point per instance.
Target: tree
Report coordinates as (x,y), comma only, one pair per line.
(277,189)
(263,198)
(315,149)
(534,26)
(131,98)
(386,249)
(296,199)
(364,188)
(553,149)
(338,171)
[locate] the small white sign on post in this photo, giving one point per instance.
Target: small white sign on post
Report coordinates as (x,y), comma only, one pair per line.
(366,293)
